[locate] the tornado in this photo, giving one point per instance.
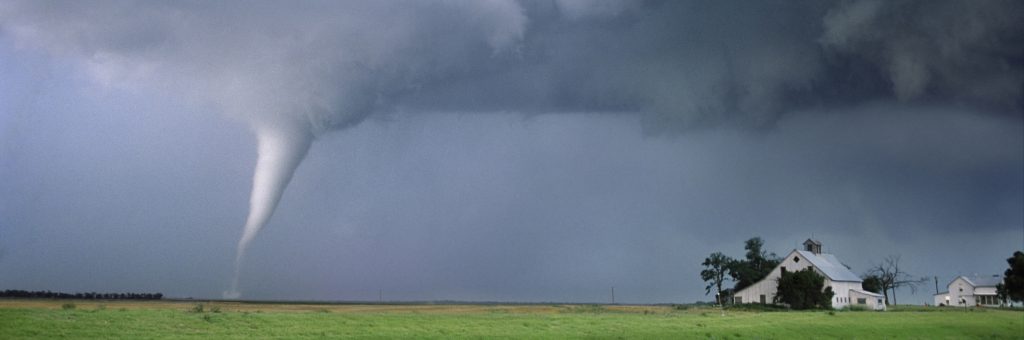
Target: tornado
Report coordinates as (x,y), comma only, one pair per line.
(280,151)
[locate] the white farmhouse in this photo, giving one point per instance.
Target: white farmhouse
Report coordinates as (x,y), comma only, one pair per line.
(845,284)
(966,291)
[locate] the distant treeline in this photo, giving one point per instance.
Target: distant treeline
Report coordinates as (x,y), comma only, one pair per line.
(85,296)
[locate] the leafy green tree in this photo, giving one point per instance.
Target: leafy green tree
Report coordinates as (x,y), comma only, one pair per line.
(756,265)
(872,283)
(716,268)
(804,289)
(1002,293)
(1013,278)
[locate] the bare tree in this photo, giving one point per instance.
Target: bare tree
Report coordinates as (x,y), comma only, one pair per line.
(890,277)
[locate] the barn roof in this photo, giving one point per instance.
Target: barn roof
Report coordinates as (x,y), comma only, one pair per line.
(830,266)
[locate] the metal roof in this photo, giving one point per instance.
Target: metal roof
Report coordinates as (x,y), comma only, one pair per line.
(830,266)
(983,281)
(866,292)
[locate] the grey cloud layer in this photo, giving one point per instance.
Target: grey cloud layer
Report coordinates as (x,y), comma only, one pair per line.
(682,64)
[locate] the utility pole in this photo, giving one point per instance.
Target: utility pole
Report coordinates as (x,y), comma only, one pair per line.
(613,295)
(936,285)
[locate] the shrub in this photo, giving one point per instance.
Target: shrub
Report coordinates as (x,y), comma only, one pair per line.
(67,306)
(804,289)
(198,308)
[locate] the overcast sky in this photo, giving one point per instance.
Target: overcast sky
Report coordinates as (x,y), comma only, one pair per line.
(535,150)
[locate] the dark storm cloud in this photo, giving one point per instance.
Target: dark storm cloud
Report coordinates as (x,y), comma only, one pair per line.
(682,64)
(964,49)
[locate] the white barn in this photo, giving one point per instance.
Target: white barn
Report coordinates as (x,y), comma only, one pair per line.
(845,284)
(971,291)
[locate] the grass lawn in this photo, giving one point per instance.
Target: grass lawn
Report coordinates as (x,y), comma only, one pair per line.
(176,319)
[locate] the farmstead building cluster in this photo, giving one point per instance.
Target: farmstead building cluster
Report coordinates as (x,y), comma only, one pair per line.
(845,284)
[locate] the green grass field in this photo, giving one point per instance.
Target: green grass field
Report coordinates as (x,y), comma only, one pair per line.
(177,319)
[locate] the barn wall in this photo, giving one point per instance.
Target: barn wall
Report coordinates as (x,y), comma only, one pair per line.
(842,292)
(769,285)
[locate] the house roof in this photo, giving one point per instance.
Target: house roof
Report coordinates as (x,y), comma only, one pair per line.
(866,292)
(983,281)
(830,266)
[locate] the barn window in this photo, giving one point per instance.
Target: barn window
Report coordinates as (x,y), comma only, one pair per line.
(862,301)
(796,259)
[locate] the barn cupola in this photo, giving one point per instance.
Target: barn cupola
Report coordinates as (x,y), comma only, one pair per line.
(812,246)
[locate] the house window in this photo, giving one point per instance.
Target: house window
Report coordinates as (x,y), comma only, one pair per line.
(862,301)
(783,269)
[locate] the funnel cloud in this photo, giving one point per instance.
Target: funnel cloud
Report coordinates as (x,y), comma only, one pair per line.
(294,73)
(280,152)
